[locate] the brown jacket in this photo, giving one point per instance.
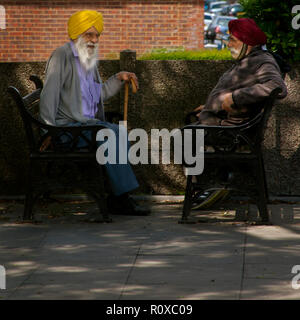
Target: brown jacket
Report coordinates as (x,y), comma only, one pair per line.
(251,80)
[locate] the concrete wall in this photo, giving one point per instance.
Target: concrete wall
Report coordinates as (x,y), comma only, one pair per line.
(168,90)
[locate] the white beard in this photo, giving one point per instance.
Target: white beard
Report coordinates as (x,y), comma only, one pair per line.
(88,56)
(234,53)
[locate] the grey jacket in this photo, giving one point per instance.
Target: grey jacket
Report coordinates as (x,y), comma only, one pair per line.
(250,80)
(60,101)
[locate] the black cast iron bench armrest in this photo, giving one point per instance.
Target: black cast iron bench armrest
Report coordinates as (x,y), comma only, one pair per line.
(46,131)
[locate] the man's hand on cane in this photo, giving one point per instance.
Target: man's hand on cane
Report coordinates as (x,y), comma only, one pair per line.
(129,77)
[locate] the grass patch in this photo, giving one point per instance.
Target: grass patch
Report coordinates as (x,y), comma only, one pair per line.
(181,54)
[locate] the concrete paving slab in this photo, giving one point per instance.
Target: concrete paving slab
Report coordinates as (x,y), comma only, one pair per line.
(272,244)
(18,268)
(219,242)
(74,280)
(268,289)
(203,290)
(151,273)
(81,239)
(153,257)
(268,271)
(22,235)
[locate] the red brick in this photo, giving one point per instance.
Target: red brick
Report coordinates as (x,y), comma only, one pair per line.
(39,26)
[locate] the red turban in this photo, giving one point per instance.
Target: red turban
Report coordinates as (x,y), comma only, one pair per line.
(247,31)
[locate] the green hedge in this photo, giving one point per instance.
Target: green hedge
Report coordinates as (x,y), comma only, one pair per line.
(181,54)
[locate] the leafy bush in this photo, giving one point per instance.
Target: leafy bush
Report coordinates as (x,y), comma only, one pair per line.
(182,54)
(275,19)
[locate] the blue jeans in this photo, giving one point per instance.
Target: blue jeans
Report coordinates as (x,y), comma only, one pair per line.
(121,176)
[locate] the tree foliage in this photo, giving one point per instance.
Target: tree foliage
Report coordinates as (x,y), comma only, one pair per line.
(275,19)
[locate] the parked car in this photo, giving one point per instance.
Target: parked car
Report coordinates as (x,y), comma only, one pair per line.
(207,4)
(232,10)
(208,18)
(218,28)
(216,7)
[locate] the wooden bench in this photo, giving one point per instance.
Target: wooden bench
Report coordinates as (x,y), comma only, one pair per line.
(54,167)
(233,160)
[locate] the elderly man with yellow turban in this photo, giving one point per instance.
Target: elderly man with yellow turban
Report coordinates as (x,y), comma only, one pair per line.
(74,93)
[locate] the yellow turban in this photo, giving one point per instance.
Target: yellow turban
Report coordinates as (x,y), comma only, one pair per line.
(83,20)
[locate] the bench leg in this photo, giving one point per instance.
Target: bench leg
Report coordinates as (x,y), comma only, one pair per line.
(262,198)
(102,205)
(27,215)
(265,180)
(187,204)
(263,210)
(100,198)
(29,200)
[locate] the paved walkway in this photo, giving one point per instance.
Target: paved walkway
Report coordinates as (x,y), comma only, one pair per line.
(154,257)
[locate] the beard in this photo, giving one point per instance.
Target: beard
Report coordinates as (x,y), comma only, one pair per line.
(240,52)
(87,52)
(234,52)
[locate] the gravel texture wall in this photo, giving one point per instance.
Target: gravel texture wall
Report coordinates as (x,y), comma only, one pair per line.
(168,91)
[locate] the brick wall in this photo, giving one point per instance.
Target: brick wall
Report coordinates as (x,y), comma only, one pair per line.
(35,28)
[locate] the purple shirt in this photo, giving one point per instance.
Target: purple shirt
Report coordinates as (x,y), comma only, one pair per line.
(90,89)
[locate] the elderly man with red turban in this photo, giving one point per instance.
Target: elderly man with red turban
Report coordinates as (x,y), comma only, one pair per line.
(74,94)
(255,75)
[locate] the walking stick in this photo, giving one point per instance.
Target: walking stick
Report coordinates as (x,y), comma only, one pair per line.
(134,89)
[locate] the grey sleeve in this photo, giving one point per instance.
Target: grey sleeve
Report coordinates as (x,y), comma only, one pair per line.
(50,95)
(269,80)
(111,87)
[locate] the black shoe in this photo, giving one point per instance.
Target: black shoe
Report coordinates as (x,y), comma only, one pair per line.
(125,205)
